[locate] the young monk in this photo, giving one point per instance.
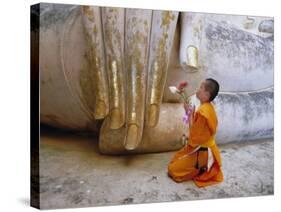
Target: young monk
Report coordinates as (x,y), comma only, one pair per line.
(200,159)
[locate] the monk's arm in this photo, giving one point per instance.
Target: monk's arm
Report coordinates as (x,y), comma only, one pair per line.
(200,132)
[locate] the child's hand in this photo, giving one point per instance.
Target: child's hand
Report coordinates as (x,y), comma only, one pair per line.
(185,106)
(191,118)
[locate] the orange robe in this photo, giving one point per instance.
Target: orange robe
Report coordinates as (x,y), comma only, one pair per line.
(194,166)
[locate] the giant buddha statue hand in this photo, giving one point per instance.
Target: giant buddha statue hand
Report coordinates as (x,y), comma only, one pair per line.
(107,70)
(128,56)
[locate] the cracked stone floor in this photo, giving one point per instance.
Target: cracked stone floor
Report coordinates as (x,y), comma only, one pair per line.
(73,174)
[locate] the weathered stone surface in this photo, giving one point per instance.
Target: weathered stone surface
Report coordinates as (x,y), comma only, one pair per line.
(245,116)
(74,174)
(237,59)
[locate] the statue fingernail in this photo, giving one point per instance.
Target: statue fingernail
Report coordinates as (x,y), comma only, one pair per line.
(116,119)
(132,136)
(192,56)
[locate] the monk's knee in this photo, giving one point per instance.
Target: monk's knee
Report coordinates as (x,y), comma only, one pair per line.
(171,173)
(176,179)
(170,168)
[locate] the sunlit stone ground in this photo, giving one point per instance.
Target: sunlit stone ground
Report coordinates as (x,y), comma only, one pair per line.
(74,174)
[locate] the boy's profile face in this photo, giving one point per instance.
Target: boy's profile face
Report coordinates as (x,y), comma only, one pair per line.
(202,94)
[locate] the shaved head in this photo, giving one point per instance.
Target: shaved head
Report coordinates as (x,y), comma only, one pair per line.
(213,87)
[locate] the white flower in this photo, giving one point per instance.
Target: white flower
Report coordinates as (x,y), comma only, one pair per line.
(173,89)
